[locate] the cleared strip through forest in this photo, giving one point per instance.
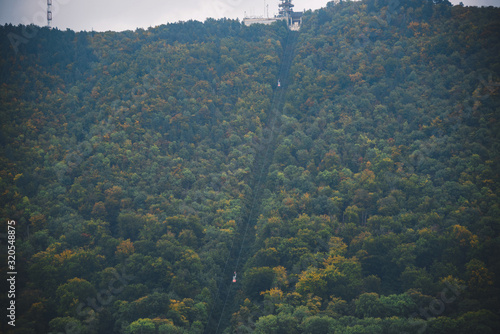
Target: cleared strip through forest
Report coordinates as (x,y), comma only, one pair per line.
(245,237)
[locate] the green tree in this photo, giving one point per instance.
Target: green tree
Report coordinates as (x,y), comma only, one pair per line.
(69,295)
(141,326)
(368,305)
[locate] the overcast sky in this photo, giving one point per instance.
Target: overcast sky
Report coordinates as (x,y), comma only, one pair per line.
(119,15)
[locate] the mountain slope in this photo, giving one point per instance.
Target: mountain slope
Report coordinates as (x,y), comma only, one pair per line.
(382,201)
(362,196)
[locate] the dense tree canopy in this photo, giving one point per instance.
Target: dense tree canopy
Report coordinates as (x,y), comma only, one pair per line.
(362,197)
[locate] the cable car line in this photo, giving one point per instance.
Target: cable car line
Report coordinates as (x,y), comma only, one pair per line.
(261,165)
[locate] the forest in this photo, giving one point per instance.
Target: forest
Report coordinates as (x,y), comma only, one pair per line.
(144,169)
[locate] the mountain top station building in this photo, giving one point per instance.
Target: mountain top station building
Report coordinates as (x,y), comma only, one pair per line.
(294,19)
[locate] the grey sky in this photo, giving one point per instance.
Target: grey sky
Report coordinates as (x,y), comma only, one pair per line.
(118,15)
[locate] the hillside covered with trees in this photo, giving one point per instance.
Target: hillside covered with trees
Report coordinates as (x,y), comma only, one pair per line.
(144,167)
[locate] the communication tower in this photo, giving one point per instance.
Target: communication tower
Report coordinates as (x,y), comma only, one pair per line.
(294,20)
(49,13)
(286,7)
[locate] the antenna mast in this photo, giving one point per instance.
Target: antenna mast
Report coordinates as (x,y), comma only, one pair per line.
(286,8)
(49,13)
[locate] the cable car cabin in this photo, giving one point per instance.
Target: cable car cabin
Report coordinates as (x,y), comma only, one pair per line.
(234,277)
